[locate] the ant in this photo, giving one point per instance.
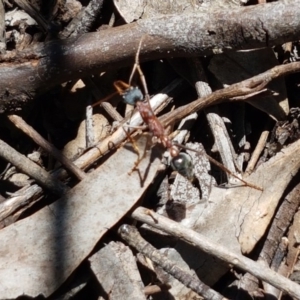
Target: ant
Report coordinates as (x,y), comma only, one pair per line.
(132,95)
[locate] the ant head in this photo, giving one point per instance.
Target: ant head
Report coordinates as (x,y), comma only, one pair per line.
(132,95)
(183,164)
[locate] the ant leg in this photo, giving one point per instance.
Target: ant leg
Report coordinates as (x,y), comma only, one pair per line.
(223,168)
(140,156)
(104,99)
(136,150)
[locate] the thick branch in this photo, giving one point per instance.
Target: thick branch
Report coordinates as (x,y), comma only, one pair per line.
(58,61)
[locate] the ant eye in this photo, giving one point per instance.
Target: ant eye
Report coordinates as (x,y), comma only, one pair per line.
(132,95)
(183,165)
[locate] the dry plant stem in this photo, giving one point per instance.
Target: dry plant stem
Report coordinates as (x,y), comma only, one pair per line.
(21,124)
(245,87)
(222,141)
(131,235)
(257,151)
(33,170)
(58,61)
(201,242)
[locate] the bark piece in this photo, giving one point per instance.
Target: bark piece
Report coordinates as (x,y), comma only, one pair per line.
(40,252)
(116,270)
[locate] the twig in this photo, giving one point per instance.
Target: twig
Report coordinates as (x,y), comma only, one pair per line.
(257,151)
(219,251)
(89,127)
(86,19)
(18,200)
(21,124)
(245,87)
(28,167)
(131,235)
(89,16)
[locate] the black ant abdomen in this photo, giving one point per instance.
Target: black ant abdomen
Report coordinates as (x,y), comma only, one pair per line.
(183,164)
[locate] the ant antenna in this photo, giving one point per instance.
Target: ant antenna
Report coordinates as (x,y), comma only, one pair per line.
(137,68)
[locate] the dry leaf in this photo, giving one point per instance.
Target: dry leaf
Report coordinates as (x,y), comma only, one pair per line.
(39,253)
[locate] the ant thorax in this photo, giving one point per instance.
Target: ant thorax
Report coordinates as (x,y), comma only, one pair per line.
(132,95)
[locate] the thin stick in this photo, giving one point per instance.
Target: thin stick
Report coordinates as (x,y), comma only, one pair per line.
(21,124)
(257,151)
(30,168)
(217,250)
(131,235)
(252,85)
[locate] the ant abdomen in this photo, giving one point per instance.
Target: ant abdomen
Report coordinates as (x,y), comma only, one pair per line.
(183,164)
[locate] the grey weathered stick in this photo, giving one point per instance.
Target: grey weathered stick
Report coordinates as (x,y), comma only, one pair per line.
(217,250)
(21,124)
(88,17)
(131,235)
(44,66)
(33,170)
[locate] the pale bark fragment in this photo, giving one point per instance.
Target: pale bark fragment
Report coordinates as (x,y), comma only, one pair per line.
(40,252)
(116,270)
